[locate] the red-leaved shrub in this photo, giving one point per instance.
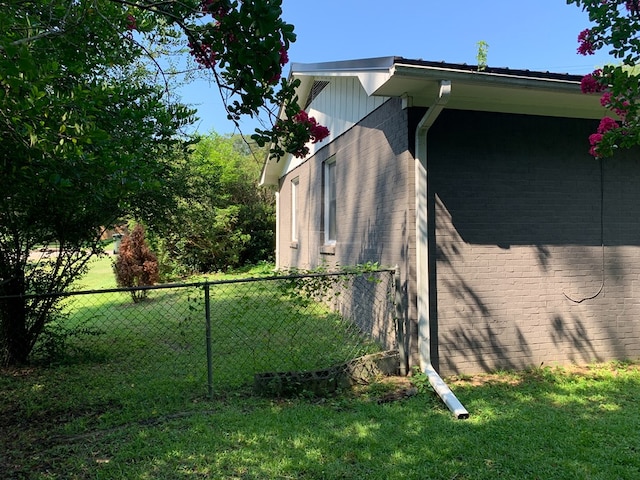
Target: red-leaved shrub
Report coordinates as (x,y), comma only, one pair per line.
(136,265)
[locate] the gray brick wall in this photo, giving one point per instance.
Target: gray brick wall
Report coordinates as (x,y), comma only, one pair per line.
(518,235)
(374,171)
(515,229)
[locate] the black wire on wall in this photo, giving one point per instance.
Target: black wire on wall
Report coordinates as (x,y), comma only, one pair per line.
(601,240)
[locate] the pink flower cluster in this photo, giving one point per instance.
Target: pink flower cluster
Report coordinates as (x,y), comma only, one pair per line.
(606,124)
(317,132)
(218,11)
(131,23)
(284,58)
(203,54)
(590,83)
(586,46)
(633,6)
(619,106)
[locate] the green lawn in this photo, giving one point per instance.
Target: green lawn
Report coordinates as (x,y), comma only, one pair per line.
(545,424)
(92,417)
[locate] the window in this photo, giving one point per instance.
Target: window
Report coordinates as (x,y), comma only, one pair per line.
(330,202)
(294,210)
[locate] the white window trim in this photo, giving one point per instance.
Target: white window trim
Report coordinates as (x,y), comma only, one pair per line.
(330,163)
(295,214)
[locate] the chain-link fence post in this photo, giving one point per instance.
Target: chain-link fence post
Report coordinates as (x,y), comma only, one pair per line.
(207,314)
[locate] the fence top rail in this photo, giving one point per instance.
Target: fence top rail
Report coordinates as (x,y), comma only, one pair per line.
(206,283)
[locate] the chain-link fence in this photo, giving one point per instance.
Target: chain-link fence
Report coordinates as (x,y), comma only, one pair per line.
(217,336)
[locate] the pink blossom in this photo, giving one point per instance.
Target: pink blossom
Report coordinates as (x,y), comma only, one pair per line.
(633,6)
(590,83)
(275,79)
(606,124)
(209,6)
(318,132)
(622,110)
(203,54)
(605,100)
(131,23)
(301,117)
(284,56)
(586,46)
(594,140)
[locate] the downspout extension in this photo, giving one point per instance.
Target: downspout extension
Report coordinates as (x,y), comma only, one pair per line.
(422,254)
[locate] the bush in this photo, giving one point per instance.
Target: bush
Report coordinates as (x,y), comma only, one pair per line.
(136,265)
(223,219)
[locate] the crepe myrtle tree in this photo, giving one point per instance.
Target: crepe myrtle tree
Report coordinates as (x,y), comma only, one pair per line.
(616,27)
(90,135)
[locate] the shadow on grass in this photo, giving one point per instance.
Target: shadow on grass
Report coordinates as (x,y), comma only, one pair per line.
(533,425)
(160,343)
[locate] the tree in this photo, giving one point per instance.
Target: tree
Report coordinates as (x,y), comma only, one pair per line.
(136,265)
(617,26)
(88,135)
(223,219)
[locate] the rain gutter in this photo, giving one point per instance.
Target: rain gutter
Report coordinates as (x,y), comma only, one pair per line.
(422,254)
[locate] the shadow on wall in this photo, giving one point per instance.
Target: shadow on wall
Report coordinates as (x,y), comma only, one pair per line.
(530,185)
(483,346)
(481,340)
(575,334)
(373,210)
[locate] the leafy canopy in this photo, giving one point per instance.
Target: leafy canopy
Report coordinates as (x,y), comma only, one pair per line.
(222,218)
(616,27)
(90,132)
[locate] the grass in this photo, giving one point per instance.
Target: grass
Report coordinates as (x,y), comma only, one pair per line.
(60,422)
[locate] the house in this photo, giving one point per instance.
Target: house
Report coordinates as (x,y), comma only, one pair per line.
(515,247)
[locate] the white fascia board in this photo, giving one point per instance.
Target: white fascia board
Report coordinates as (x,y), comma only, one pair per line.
(271,171)
(372,72)
(479,77)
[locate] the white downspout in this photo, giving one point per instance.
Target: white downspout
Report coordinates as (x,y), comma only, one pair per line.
(422,253)
(277,252)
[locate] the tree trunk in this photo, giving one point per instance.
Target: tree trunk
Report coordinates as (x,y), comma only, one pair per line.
(14,339)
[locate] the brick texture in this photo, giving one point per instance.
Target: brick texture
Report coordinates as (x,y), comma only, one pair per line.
(521,276)
(518,276)
(374,171)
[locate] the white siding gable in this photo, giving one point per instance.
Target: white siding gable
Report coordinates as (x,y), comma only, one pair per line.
(339,106)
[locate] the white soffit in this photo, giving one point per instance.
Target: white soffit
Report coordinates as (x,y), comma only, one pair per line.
(499,90)
(372,72)
(532,93)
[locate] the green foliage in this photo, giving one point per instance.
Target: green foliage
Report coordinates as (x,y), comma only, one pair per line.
(615,26)
(223,219)
(90,132)
(320,284)
(59,342)
(483,51)
(136,265)
(420,380)
(87,136)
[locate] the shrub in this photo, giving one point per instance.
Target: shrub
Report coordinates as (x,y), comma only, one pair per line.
(136,265)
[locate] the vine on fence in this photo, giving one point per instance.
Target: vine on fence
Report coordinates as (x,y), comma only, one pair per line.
(306,286)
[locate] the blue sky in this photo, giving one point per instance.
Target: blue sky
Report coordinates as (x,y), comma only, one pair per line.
(522,34)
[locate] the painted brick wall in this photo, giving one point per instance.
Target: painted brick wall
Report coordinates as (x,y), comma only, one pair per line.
(374,175)
(515,226)
(517,232)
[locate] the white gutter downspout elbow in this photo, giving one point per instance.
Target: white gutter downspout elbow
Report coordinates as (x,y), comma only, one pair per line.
(422,253)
